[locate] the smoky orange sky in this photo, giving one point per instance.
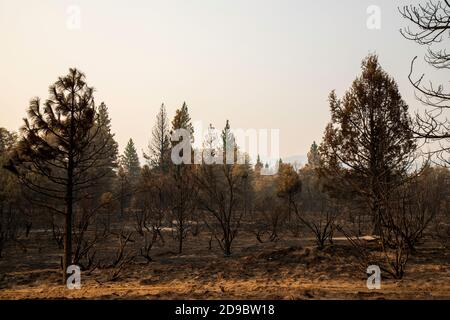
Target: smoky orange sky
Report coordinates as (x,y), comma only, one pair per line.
(261,64)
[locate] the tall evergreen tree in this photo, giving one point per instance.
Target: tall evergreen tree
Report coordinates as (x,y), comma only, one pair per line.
(313,156)
(184,194)
(104,122)
(368,143)
(182,120)
(130,161)
(229,147)
(258,166)
(60,154)
(159,147)
(128,175)
(109,161)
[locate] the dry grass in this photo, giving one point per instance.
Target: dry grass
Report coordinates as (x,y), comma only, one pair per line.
(289,269)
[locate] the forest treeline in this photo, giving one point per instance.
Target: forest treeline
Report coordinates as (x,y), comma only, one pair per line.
(368,176)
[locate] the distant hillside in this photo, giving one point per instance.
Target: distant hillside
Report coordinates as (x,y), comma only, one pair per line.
(299,159)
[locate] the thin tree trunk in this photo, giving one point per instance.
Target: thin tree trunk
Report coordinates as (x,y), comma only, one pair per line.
(180,240)
(67,260)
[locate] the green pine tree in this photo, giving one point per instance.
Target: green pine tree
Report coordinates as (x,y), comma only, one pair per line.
(130,161)
(182,120)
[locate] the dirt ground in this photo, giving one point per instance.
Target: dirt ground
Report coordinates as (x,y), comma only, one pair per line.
(288,269)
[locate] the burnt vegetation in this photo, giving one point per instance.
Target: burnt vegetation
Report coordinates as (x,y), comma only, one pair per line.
(64,184)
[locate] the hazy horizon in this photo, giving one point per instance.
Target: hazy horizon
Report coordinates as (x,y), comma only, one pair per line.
(260,64)
(197,226)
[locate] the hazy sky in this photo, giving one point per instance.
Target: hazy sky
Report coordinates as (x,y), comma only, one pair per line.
(258,63)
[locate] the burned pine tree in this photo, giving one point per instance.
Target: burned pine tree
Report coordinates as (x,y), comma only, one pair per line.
(181,178)
(368,145)
(159,147)
(64,151)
